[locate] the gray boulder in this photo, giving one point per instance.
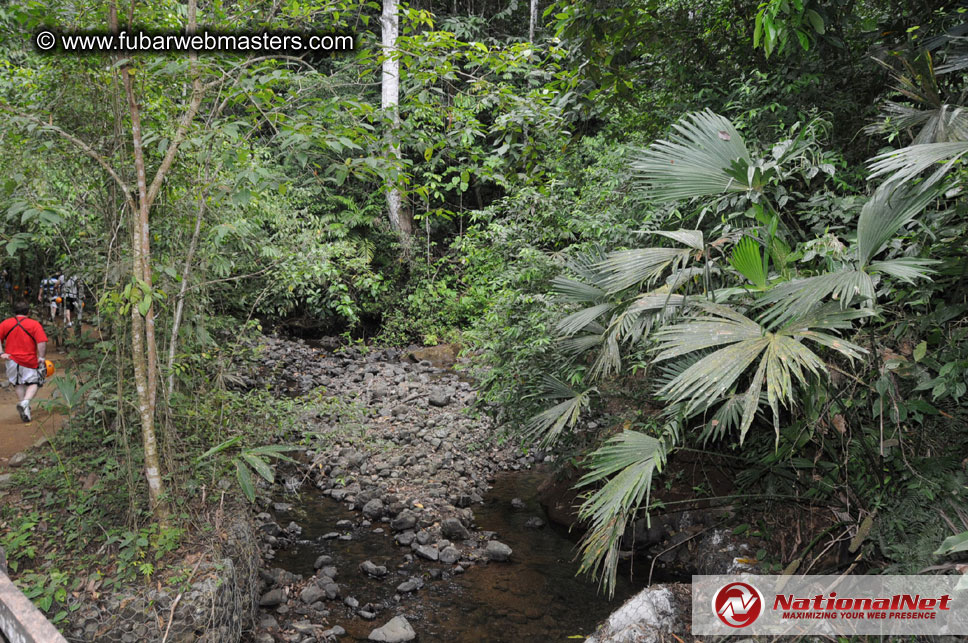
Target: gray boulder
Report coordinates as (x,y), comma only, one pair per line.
(648,617)
(406,519)
(498,551)
(397,630)
(373,509)
(454,529)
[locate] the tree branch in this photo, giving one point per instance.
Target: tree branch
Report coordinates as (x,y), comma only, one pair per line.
(84,147)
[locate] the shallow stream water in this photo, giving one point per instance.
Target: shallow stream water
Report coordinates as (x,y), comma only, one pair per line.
(535,597)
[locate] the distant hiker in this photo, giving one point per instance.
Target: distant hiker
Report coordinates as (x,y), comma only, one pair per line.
(72,299)
(24,347)
(50,289)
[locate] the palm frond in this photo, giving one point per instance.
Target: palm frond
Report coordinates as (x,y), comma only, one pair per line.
(906,164)
(720,325)
(581,343)
(905,268)
(784,360)
(575,291)
(691,238)
(885,213)
(631,459)
(795,299)
(705,155)
(748,260)
(579,320)
(546,427)
(625,268)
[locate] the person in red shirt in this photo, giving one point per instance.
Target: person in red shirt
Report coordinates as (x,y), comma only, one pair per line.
(24,348)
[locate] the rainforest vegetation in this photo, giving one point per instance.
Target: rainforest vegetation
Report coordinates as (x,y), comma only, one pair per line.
(732,231)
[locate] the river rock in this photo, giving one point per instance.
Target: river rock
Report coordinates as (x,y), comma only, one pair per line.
(438,399)
(371,569)
(17,459)
(427,551)
(498,551)
(333,632)
(454,529)
(648,617)
(323,561)
(273,597)
(449,555)
(397,630)
(373,509)
(534,523)
(406,519)
(311,594)
(517,503)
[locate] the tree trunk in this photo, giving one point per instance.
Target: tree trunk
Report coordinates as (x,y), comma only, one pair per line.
(534,20)
(143,354)
(400,219)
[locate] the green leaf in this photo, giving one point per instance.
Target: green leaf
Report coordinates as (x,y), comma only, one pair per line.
(953,544)
(747,260)
(629,459)
(702,157)
(920,351)
(245,480)
(815,20)
(259,465)
(220,447)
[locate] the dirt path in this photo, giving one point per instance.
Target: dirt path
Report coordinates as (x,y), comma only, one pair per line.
(15,435)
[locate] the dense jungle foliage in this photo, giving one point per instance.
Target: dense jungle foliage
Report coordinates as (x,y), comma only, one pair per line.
(725,228)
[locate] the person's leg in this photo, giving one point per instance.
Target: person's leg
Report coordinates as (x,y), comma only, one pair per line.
(21,391)
(29,393)
(67,313)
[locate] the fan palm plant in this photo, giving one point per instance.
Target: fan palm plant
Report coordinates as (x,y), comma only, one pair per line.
(747,345)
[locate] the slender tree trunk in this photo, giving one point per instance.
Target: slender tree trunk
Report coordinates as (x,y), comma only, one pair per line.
(142,327)
(400,219)
(534,20)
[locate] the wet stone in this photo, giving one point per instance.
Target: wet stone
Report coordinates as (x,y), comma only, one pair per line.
(449,555)
(371,569)
(497,551)
(312,594)
(406,519)
(427,551)
(454,529)
(397,630)
(273,597)
(373,509)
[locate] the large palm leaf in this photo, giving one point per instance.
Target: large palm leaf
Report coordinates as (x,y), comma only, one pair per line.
(630,458)
(781,358)
(705,155)
(908,163)
(884,214)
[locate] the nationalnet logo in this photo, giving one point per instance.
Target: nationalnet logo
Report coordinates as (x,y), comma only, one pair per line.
(830,605)
(738,604)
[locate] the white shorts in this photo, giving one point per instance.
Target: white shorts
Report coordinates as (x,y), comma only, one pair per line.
(18,374)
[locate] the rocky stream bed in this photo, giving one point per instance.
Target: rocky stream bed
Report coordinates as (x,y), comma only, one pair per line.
(408,520)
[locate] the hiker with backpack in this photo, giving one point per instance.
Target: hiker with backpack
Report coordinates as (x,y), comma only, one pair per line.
(50,289)
(24,347)
(73,300)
